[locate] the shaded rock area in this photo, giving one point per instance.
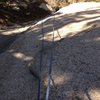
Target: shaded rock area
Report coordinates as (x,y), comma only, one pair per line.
(20,11)
(5,42)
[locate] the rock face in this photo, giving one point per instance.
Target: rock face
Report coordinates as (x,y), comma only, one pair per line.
(76,59)
(46,7)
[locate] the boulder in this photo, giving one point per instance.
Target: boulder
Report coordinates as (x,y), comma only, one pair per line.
(46,7)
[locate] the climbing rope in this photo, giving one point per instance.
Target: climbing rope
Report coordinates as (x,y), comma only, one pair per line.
(41,62)
(51,60)
(50,65)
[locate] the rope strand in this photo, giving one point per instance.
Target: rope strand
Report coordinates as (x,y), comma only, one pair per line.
(50,66)
(41,63)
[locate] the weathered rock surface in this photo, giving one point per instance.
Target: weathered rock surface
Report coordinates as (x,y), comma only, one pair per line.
(76,59)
